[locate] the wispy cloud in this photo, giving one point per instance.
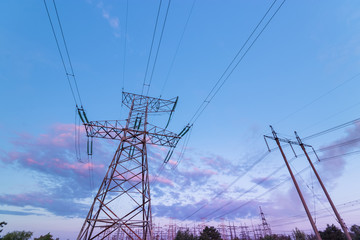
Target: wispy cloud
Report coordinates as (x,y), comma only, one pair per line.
(62,179)
(334,168)
(65,189)
(58,204)
(112,20)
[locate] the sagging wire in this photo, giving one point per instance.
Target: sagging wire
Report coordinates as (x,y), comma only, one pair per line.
(177,49)
(263,156)
(124,54)
(169,154)
(158,47)
(69,74)
(183,149)
(315,196)
(80,114)
(235,61)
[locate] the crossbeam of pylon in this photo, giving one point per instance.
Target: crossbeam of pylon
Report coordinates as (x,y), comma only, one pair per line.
(115,130)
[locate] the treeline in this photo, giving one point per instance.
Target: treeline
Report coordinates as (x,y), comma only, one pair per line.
(330,233)
(23,235)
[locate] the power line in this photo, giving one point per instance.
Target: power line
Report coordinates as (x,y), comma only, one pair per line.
(332,129)
(278,185)
(320,97)
(300,155)
(158,48)
(151,47)
(247,191)
(67,73)
(125,43)
(312,190)
(221,81)
(323,216)
(145,84)
(177,48)
(263,156)
(67,52)
(277,170)
(331,116)
(183,149)
(343,205)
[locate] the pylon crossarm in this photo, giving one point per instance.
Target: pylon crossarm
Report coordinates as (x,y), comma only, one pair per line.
(105,129)
(162,137)
(114,130)
(153,105)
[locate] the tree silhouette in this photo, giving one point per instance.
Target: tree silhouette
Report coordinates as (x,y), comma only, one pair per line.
(17,235)
(331,233)
(46,237)
(210,233)
(298,234)
(355,232)
(186,235)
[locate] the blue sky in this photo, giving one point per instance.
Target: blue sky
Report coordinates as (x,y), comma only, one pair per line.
(301,74)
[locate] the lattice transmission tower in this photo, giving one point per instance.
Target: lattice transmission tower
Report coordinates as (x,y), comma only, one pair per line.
(265,225)
(122,206)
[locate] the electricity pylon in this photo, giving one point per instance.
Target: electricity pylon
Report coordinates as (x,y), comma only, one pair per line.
(265,225)
(123,203)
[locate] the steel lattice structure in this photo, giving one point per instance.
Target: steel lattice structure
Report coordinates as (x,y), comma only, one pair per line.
(122,206)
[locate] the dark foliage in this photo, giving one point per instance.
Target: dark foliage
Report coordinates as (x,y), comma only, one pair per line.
(17,235)
(210,233)
(331,233)
(185,235)
(355,232)
(46,237)
(276,237)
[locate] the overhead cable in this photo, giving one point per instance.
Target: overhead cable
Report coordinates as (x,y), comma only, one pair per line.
(278,185)
(332,129)
(263,156)
(147,84)
(151,47)
(69,74)
(177,49)
(232,66)
(319,97)
(125,43)
(158,47)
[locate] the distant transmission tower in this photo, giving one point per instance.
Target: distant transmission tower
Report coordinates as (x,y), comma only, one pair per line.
(265,225)
(122,206)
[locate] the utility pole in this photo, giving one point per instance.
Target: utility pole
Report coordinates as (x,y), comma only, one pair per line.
(123,201)
(343,226)
(277,140)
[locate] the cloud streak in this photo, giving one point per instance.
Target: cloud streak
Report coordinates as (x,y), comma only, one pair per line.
(335,168)
(113,21)
(61,177)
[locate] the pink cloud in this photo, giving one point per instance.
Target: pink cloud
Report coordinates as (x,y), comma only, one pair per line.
(200,172)
(162,180)
(52,152)
(172,162)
